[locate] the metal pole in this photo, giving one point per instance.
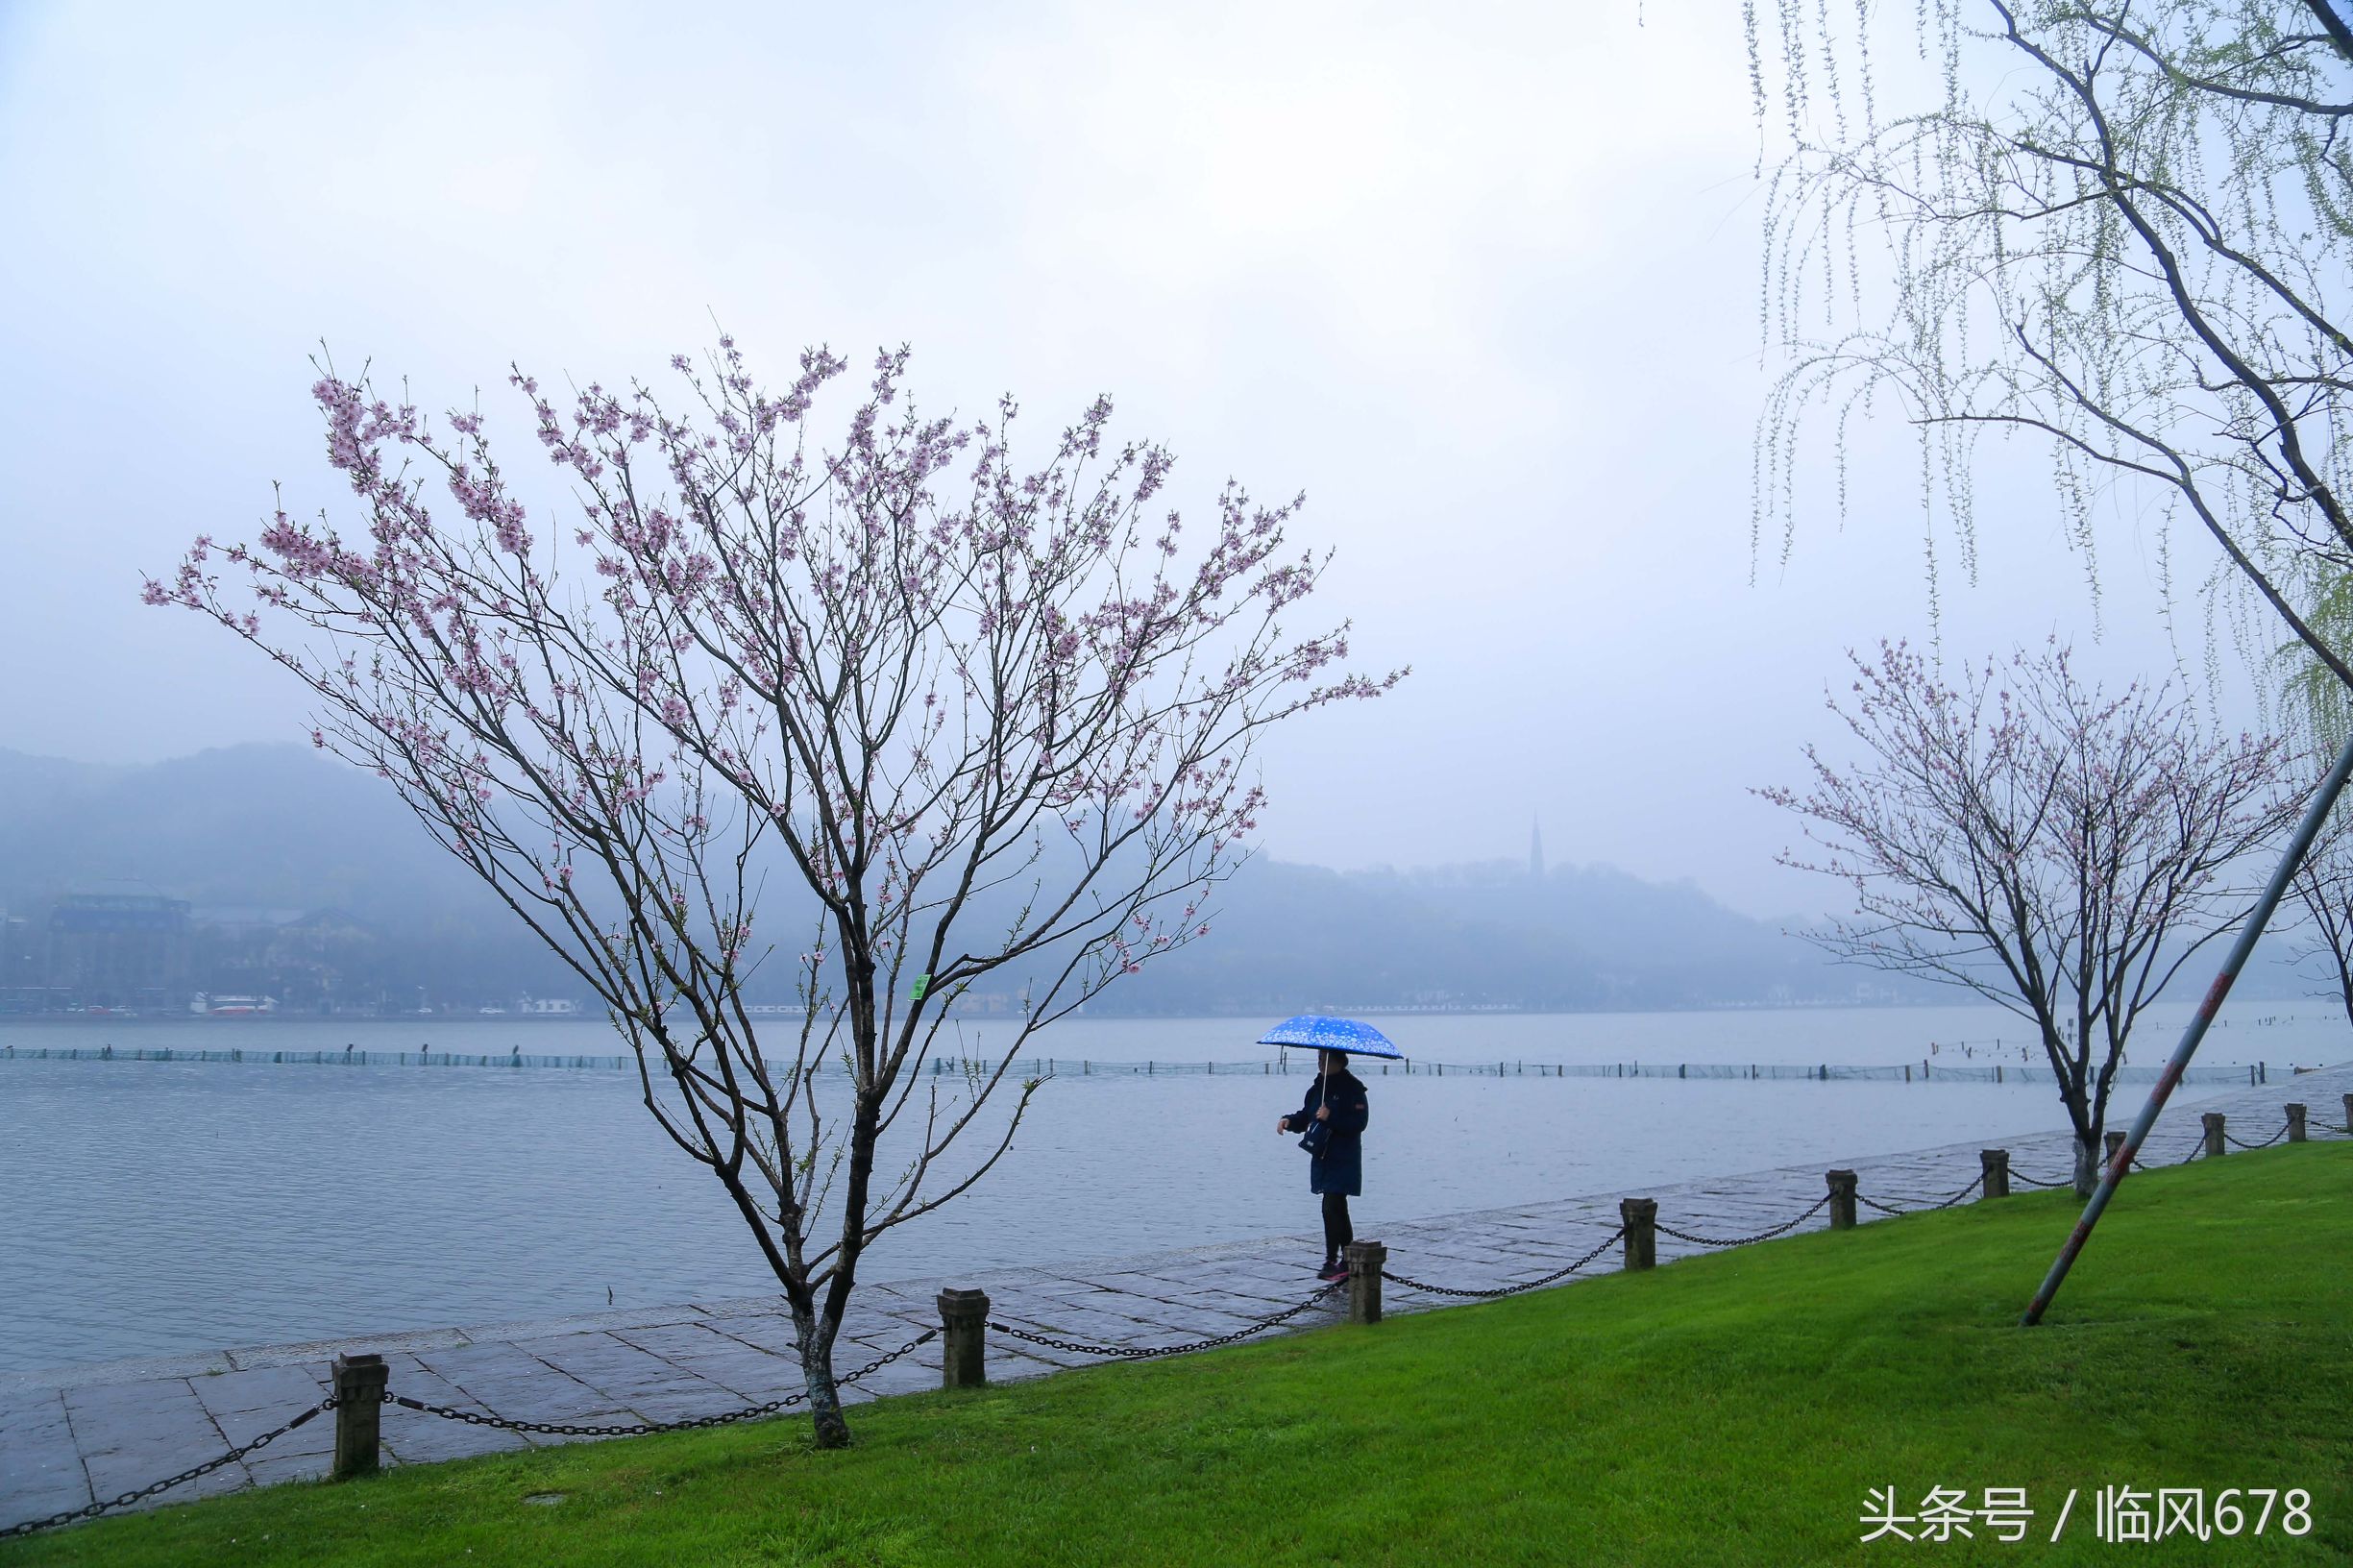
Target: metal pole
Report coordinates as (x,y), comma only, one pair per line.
(2118,1164)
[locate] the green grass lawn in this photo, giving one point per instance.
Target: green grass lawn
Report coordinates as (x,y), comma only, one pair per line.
(1733,1408)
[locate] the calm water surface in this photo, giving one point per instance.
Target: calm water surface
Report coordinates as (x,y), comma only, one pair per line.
(153,1207)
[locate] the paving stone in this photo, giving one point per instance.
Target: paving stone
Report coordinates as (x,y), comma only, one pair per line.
(317,1436)
(768,1331)
(631,1378)
(113,1417)
(131,1435)
(1107,1324)
(411,1437)
(885,1331)
(261,1398)
(1216,1305)
(40,1497)
(1018,1368)
(269,1467)
(905,1376)
(507,1381)
(327,1350)
(407,1374)
(132,1369)
(752,1376)
(23,1413)
(229,1478)
(40,1470)
(613,1317)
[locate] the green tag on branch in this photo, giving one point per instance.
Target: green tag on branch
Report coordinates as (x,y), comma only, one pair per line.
(923,983)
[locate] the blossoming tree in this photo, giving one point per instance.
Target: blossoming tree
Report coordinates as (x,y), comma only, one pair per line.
(909,677)
(2059,851)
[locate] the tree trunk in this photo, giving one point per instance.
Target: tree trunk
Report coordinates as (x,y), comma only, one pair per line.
(2344,963)
(2087,1163)
(827,1425)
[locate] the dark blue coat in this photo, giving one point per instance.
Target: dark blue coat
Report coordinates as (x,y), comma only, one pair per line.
(1340,1166)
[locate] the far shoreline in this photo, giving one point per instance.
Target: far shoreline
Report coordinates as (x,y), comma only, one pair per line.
(471,1019)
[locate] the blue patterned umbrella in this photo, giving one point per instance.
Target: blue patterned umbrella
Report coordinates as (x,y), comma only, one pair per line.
(1315,1031)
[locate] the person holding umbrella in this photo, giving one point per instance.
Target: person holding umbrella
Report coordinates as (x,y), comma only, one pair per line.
(1331,1118)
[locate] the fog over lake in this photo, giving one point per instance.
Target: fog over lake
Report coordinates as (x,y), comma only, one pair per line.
(169,1206)
(1418,269)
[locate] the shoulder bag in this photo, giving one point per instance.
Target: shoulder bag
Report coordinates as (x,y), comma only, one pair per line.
(1318,1133)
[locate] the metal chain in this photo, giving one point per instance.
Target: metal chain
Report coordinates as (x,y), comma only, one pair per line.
(2265,1144)
(1743,1240)
(642,1428)
(1927,1208)
(1975,1183)
(2137,1163)
(70,1516)
(1145,1353)
(1608,1243)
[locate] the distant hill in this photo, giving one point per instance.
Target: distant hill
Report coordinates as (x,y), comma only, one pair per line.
(249,829)
(281,828)
(242,825)
(1588,937)
(32,786)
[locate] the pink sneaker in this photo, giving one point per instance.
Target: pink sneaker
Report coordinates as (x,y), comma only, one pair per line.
(1333,1271)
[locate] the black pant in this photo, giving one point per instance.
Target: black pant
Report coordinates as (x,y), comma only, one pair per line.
(1337,1231)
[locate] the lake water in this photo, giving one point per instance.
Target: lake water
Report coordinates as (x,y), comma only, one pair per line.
(158,1206)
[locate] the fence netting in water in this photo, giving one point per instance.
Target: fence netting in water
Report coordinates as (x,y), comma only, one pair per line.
(1266,1066)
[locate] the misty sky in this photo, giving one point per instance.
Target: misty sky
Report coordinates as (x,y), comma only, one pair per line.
(1481,280)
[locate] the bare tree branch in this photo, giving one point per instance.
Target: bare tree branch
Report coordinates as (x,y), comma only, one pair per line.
(849,672)
(2055,850)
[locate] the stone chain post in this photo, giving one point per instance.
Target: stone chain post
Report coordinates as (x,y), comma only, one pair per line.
(2296,1122)
(2115,1142)
(360,1410)
(964,1338)
(1997,1166)
(1365,1260)
(1640,1217)
(1841,1199)
(2348,1109)
(2214,1148)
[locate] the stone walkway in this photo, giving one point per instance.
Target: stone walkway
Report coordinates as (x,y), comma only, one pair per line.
(70,1436)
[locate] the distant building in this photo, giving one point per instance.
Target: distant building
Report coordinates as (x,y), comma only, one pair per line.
(23,984)
(242,920)
(207,1005)
(989,1001)
(318,961)
(118,949)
